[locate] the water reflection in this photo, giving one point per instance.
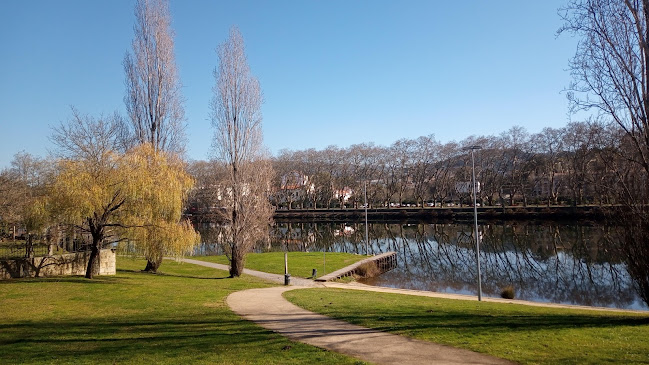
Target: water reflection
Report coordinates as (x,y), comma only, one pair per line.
(548,262)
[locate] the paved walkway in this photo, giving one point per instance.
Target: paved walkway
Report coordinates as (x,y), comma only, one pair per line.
(268,308)
(275,278)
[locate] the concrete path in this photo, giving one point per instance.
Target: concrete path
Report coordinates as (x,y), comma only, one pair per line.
(275,278)
(268,308)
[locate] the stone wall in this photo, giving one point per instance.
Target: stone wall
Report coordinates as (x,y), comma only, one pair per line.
(58,265)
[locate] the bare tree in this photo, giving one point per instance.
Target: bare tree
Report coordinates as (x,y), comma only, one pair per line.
(422,169)
(153,99)
(20,187)
(11,194)
(611,76)
(548,145)
(578,142)
(443,184)
(238,145)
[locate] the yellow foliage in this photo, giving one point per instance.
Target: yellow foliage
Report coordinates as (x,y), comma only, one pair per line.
(138,196)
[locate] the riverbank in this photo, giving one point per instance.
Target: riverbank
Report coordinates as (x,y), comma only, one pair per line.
(180,316)
(403,214)
(524,332)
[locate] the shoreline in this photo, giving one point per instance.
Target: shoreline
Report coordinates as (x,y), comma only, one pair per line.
(432,214)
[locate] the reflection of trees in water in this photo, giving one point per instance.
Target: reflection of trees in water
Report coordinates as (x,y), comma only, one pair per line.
(550,262)
(557,263)
(554,262)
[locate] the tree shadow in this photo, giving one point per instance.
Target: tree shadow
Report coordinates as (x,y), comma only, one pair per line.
(161,273)
(481,323)
(77,279)
(108,339)
(193,277)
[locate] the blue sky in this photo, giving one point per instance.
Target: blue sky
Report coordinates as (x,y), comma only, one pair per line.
(333,72)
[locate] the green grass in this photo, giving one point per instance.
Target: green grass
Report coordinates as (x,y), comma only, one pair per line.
(177,317)
(525,334)
(300,264)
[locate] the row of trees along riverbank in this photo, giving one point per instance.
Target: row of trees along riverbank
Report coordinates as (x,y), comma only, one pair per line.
(556,213)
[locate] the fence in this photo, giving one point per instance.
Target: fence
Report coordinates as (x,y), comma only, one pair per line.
(57,265)
(20,249)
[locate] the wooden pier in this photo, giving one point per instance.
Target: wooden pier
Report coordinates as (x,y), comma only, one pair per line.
(385,262)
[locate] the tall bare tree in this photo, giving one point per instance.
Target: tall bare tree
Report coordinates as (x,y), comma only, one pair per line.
(238,145)
(153,90)
(611,76)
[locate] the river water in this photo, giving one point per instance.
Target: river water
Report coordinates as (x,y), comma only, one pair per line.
(543,262)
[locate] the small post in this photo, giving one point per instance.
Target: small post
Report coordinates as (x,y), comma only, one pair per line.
(314,273)
(287,276)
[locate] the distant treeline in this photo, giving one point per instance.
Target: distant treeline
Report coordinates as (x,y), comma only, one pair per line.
(582,163)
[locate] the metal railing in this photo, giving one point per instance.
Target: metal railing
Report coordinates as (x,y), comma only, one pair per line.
(19,249)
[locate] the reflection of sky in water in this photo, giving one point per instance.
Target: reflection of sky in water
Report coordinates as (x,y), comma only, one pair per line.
(560,263)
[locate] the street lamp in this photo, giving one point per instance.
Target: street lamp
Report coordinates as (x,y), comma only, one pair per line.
(475,219)
(367,241)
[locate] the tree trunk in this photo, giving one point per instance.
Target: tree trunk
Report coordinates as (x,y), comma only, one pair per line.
(29,246)
(93,267)
(152,266)
(236,262)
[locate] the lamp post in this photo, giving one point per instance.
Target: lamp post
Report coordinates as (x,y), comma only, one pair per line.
(367,241)
(475,219)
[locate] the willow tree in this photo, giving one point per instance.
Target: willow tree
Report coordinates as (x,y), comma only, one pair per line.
(111,196)
(238,148)
(153,90)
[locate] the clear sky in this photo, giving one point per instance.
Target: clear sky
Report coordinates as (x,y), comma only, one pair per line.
(333,72)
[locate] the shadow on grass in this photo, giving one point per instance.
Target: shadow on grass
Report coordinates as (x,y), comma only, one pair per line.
(193,277)
(65,279)
(110,340)
(480,323)
(466,318)
(160,273)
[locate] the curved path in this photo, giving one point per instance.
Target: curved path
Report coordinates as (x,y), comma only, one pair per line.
(268,308)
(275,278)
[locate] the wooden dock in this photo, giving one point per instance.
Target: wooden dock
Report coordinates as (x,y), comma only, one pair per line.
(385,262)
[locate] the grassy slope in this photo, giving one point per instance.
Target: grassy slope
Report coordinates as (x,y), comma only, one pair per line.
(529,335)
(300,264)
(133,317)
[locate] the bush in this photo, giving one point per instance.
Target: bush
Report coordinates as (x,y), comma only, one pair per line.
(507,292)
(367,270)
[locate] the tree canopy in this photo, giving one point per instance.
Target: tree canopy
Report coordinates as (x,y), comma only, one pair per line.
(137,196)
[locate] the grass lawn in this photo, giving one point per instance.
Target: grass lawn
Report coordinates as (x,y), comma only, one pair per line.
(525,334)
(177,317)
(300,264)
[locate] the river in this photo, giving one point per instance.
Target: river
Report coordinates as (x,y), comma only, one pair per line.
(566,263)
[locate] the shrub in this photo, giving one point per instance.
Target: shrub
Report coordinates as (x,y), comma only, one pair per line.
(507,292)
(367,270)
